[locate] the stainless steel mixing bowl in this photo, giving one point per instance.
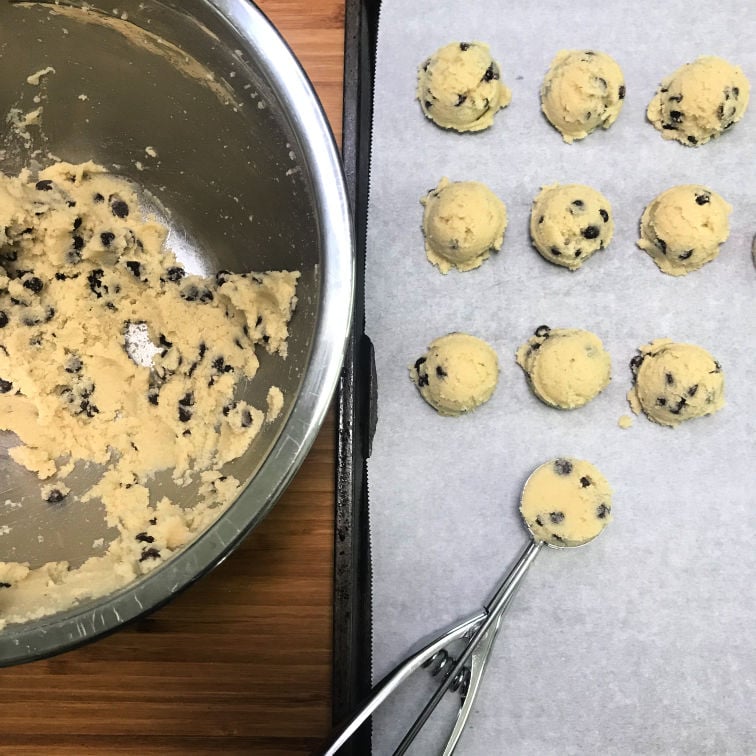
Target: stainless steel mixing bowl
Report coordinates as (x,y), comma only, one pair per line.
(247,177)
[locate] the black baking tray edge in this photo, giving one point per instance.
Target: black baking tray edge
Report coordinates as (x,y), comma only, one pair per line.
(356,398)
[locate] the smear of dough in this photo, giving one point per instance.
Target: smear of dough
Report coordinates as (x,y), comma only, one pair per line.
(82,271)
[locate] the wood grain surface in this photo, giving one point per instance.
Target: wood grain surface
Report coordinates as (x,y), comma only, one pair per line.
(240,663)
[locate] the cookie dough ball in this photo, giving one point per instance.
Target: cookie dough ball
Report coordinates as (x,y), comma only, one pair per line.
(675,382)
(699,101)
(582,90)
(683,228)
(566,367)
(566,502)
(463,221)
(459,87)
(458,373)
(569,222)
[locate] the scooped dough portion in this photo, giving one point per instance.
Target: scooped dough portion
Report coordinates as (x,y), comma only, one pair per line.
(566,502)
(673,382)
(82,271)
(459,87)
(699,101)
(463,222)
(458,373)
(569,222)
(583,89)
(566,367)
(683,228)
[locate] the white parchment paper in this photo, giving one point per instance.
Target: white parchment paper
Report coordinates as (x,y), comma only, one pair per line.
(642,642)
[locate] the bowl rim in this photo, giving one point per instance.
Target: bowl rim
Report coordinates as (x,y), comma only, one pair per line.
(66,630)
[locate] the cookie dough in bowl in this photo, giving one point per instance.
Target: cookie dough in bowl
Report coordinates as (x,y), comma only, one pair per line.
(673,382)
(459,87)
(566,367)
(566,502)
(458,373)
(582,91)
(699,101)
(463,222)
(683,228)
(569,222)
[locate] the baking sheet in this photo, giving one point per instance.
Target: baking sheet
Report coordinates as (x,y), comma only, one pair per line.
(642,642)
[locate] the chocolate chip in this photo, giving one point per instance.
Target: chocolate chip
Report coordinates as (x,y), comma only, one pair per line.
(676,116)
(5,386)
(578,203)
(428,104)
(464,46)
(151,553)
(542,331)
(563,466)
(164,342)
(55,496)
(460,100)
(540,220)
(720,112)
(246,418)
(185,415)
(187,400)
(144,537)
(95,281)
(604,215)
(152,396)
(440,372)
(77,223)
(661,401)
(590,232)
(34,284)
(221,277)
(5,585)
(539,521)
(106,237)
(45,185)
(669,378)
(3,319)
(636,362)
(556,517)
(669,127)
(685,255)
(175,274)
(119,208)
(703,199)
(491,73)
(602,511)
(692,139)
(134,267)
(736,92)
(78,242)
(98,198)
(678,407)
(555,251)
(578,252)
(585,481)
(621,93)
(662,245)
(73,365)
(692,390)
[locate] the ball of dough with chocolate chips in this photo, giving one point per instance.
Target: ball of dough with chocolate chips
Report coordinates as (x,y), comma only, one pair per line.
(699,101)
(458,373)
(566,502)
(569,222)
(675,382)
(683,228)
(462,223)
(459,87)
(566,367)
(582,91)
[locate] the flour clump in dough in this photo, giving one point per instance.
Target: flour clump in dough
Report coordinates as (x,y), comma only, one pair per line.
(699,101)
(566,367)
(566,502)
(81,267)
(459,87)
(673,382)
(458,373)
(569,222)
(463,222)
(683,228)
(582,91)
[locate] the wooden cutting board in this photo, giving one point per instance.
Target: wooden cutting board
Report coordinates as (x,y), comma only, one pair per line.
(241,661)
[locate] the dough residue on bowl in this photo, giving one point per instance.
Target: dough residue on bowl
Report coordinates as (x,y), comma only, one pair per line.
(82,269)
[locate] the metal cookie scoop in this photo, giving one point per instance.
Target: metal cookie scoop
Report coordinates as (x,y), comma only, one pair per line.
(584,500)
